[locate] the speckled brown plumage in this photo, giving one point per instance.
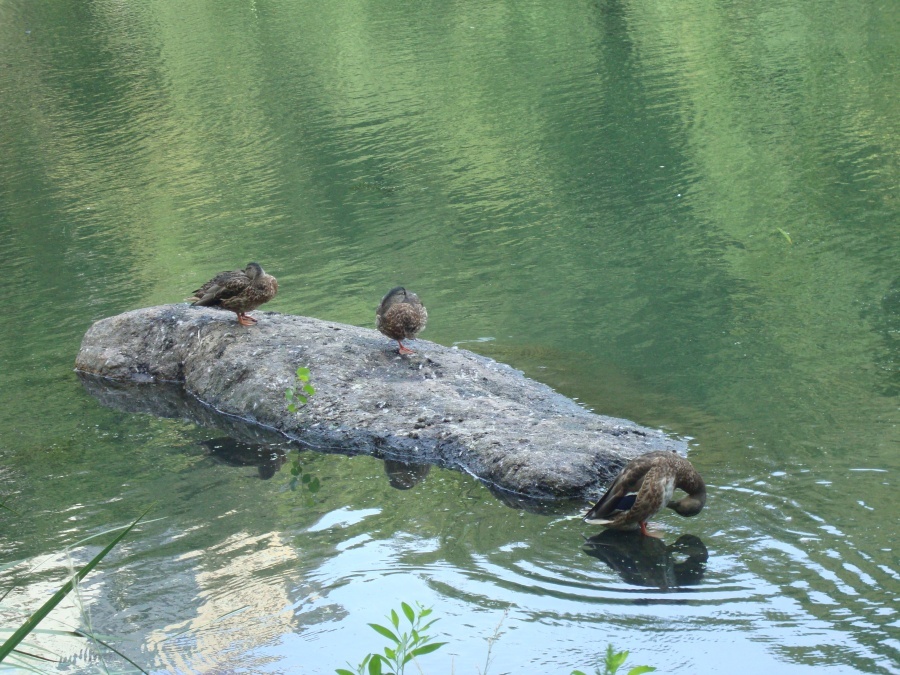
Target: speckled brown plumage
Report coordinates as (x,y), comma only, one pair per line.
(401,316)
(653,477)
(238,291)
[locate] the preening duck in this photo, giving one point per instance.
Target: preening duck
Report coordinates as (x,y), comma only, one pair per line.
(645,486)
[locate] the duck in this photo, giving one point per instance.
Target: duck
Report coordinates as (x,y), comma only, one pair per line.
(644,486)
(238,291)
(401,316)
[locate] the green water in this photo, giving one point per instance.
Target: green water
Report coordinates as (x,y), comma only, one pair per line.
(685,214)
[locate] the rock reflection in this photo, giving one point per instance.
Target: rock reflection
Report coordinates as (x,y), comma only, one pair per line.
(267,459)
(648,561)
(240,444)
(402,475)
(544,507)
(168,399)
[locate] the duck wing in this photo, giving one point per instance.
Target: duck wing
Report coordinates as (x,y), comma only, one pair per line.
(221,287)
(629,480)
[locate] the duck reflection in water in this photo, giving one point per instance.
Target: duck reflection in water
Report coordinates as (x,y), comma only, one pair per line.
(403,476)
(267,459)
(648,561)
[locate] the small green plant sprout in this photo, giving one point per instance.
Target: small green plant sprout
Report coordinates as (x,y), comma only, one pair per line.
(615,660)
(404,646)
(298,396)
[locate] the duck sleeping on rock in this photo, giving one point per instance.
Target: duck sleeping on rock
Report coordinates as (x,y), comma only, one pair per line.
(238,291)
(644,487)
(401,316)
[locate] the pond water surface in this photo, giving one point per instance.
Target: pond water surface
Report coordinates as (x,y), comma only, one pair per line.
(684,214)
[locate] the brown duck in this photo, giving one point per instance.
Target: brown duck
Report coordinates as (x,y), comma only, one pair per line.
(238,291)
(645,486)
(401,316)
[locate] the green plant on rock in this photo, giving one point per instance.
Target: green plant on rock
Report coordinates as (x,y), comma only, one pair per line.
(615,660)
(298,396)
(405,646)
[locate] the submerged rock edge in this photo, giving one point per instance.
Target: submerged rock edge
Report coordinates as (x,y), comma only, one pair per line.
(442,405)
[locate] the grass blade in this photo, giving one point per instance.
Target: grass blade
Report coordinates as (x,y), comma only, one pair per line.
(8,508)
(116,651)
(11,643)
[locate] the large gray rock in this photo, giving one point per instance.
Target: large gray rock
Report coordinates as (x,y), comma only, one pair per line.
(442,405)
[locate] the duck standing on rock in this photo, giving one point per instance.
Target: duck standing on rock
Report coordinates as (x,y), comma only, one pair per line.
(401,316)
(238,291)
(645,486)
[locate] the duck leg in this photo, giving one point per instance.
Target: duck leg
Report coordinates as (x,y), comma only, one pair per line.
(648,533)
(246,319)
(404,350)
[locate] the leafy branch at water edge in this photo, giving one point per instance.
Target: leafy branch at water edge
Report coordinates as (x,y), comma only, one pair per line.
(406,645)
(297,397)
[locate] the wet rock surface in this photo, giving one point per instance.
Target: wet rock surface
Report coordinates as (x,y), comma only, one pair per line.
(441,405)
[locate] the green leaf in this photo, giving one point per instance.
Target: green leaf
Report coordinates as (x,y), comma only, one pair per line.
(395,619)
(425,612)
(296,470)
(381,630)
(306,478)
(289,393)
(574,672)
(375,664)
(427,649)
(614,660)
(292,408)
(410,614)
(640,670)
(786,236)
(309,389)
(344,671)
(10,644)
(314,485)
(390,653)
(303,374)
